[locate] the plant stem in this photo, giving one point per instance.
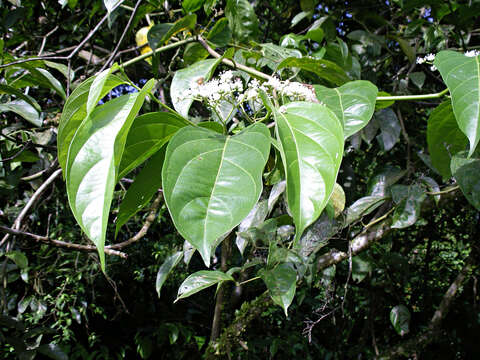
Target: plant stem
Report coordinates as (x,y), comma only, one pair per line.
(247,281)
(412,97)
(446,191)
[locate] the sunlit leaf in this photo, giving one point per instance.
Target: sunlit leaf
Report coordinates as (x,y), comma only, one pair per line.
(324,69)
(211,181)
(311,141)
(23,109)
(462,76)
(400,319)
(93,160)
(353,103)
(168,265)
(201,280)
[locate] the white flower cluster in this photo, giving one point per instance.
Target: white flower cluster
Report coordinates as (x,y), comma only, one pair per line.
(472,53)
(229,88)
(214,90)
(429,58)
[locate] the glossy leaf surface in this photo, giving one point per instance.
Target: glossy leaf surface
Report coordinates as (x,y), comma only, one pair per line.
(148,133)
(400,319)
(353,103)
(93,159)
(462,76)
(281,284)
(75,111)
(201,280)
(363,207)
(444,138)
(466,171)
(211,182)
(409,200)
(23,109)
(182,80)
(168,265)
(311,141)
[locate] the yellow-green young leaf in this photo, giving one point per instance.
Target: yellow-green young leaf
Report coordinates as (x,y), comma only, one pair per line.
(353,103)
(183,79)
(444,138)
(75,112)
(311,142)
(148,133)
(212,181)
(462,76)
(93,160)
(281,284)
(146,184)
(201,280)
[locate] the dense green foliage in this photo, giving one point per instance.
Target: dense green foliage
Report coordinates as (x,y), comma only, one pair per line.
(275,179)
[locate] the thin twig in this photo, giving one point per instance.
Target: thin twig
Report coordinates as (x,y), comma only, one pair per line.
(115,51)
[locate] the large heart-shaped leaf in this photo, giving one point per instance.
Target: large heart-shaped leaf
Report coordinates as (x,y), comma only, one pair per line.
(212,181)
(444,138)
(146,184)
(75,111)
(462,76)
(93,159)
(281,283)
(353,103)
(184,78)
(149,132)
(311,141)
(465,171)
(201,280)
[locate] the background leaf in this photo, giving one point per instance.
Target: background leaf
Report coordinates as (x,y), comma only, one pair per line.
(166,268)
(281,284)
(400,319)
(325,69)
(201,280)
(211,182)
(444,138)
(242,20)
(23,109)
(466,171)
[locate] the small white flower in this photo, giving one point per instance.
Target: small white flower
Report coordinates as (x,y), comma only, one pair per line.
(430,57)
(420,60)
(282,109)
(472,53)
(433,68)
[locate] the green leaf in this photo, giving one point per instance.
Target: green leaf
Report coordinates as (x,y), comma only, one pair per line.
(409,202)
(462,76)
(353,103)
(363,207)
(361,267)
(138,195)
(75,112)
(325,69)
(148,133)
(444,138)
(389,128)
(52,351)
(380,183)
(418,78)
(408,50)
(255,218)
(242,20)
(194,52)
(43,78)
(199,281)
(23,109)
(159,34)
(110,4)
(281,284)
(212,181)
(273,55)
(168,265)
(382,104)
(466,171)
(220,34)
(183,79)
(12,91)
(192,5)
(311,141)
(18,258)
(400,319)
(93,160)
